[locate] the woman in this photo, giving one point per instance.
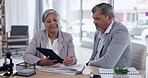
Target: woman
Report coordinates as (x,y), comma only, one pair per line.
(52,38)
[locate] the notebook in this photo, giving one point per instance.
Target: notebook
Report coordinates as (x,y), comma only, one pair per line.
(51,53)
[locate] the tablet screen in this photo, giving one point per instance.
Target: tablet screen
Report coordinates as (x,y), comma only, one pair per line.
(51,54)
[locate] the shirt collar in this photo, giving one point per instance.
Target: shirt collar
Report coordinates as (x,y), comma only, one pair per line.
(109,28)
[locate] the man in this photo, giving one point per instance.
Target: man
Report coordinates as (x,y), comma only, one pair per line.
(112,44)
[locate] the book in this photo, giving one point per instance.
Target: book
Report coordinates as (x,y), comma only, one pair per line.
(71,70)
(51,53)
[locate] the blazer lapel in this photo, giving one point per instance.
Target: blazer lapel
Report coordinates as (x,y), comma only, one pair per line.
(106,39)
(44,41)
(96,42)
(60,42)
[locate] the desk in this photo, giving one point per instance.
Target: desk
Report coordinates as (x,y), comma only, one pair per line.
(39,74)
(5,42)
(53,75)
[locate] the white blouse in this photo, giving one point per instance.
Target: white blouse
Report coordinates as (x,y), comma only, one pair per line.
(53,46)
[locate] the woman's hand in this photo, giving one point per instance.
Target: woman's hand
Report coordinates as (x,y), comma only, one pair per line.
(46,62)
(68,61)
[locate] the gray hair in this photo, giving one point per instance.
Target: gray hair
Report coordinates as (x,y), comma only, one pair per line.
(103,8)
(49,11)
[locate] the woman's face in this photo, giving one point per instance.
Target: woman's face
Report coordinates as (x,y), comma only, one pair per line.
(52,23)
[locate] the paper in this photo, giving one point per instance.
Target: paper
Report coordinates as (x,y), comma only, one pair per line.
(109,73)
(129,76)
(132,71)
(72,70)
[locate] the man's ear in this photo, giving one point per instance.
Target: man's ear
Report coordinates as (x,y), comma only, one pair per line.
(110,17)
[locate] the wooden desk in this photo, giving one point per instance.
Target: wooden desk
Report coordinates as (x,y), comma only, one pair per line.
(54,75)
(39,74)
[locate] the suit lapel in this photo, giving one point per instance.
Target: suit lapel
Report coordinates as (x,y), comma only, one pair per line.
(107,35)
(60,42)
(106,39)
(44,41)
(96,42)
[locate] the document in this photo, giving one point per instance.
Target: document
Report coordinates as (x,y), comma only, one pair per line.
(129,76)
(132,71)
(71,70)
(109,73)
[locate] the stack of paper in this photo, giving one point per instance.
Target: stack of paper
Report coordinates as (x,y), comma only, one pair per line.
(72,70)
(132,71)
(108,73)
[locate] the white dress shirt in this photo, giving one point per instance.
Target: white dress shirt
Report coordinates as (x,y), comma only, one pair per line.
(102,38)
(53,46)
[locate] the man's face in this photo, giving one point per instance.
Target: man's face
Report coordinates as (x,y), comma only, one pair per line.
(101,22)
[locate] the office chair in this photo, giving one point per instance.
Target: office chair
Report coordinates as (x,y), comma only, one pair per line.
(19,37)
(139,53)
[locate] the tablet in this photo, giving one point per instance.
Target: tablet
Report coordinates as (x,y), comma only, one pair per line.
(51,53)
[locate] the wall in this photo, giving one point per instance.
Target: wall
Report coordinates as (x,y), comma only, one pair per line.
(20,12)
(16,13)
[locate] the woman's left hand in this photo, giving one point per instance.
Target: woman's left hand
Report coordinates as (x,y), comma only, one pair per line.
(68,61)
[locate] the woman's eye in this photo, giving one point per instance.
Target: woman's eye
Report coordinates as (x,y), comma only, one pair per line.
(55,20)
(47,21)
